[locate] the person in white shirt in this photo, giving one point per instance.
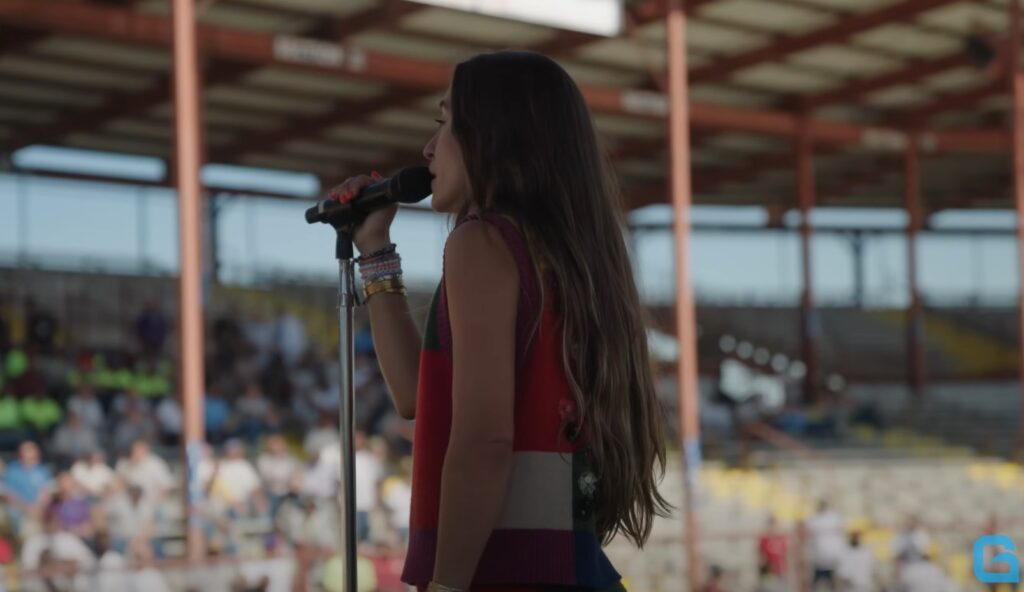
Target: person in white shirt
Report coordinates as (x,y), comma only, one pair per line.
(289,336)
(396,497)
(925,576)
(131,520)
(236,484)
(325,434)
(147,470)
(856,568)
(912,543)
(277,469)
(92,474)
(369,472)
(825,535)
(59,545)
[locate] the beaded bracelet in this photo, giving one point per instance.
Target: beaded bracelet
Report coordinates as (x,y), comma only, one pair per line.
(392,262)
(372,273)
(384,251)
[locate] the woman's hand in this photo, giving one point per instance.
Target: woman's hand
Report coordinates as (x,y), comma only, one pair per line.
(374,232)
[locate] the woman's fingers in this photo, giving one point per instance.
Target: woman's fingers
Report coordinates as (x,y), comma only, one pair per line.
(350,187)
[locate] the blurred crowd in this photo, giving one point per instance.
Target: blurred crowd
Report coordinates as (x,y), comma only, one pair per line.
(834,558)
(91,438)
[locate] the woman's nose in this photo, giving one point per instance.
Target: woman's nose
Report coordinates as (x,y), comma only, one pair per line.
(428,150)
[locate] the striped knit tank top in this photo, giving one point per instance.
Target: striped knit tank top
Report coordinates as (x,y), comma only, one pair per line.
(546,532)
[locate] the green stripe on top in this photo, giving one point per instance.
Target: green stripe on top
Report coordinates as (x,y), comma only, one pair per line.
(430,336)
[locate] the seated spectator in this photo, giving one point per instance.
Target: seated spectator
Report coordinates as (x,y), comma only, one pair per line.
(322,479)
(27,485)
(768,581)
(135,425)
(146,470)
(7,541)
(152,380)
(253,414)
(772,548)
(74,513)
(369,467)
(151,329)
(324,434)
(856,568)
(72,437)
(92,474)
(12,426)
(827,544)
(125,400)
(396,497)
(924,576)
(85,404)
(911,544)
(306,524)
(41,326)
(276,468)
(62,545)
(41,413)
(216,415)
(130,520)
(235,483)
(169,421)
(715,581)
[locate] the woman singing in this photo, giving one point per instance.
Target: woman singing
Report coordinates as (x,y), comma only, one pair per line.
(537,428)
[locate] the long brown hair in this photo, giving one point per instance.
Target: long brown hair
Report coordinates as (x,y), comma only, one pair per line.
(531,152)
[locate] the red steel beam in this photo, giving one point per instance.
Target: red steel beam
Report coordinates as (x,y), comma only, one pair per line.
(15,41)
(856,89)
(1016,82)
(686,309)
(124,104)
(957,101)
(380,15)
(841,30)
(344,112)
(809,323)
(915,311)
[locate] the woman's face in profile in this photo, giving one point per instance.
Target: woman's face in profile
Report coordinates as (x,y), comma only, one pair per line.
(450,185)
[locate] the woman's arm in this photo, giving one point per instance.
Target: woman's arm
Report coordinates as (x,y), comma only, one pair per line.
(396,341)
(483,287)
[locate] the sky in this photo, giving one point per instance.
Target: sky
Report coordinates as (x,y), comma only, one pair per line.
(70,224)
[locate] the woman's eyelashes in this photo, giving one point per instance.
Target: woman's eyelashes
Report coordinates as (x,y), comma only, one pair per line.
(439,121)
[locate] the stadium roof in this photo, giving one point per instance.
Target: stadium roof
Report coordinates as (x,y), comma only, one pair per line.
(338,87)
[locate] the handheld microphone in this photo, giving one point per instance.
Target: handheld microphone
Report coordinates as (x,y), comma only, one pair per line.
(409,185)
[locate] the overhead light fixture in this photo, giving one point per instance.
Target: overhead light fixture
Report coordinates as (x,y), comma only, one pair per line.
(598,17)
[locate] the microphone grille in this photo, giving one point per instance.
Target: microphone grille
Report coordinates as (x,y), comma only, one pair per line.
(411,184)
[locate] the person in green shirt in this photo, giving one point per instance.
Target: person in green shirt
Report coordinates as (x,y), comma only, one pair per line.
(41,413)
(12,427)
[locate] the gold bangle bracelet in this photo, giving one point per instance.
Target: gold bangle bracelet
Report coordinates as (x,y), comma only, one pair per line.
(402,291)
(383,284)
(392,286)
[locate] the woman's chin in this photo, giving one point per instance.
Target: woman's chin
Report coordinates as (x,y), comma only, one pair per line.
(440,205)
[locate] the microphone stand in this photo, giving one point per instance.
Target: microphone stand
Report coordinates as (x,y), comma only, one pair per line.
(343,251)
